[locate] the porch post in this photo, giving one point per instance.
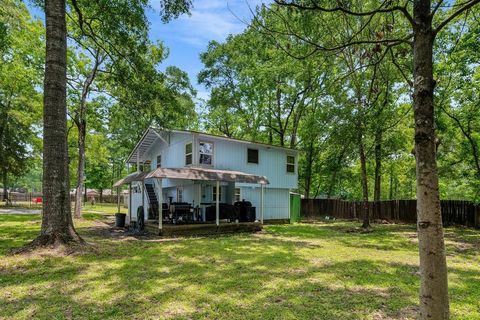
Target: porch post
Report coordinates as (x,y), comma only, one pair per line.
(160,204)
(130,202)
(262,203)
(142,184)
(217,204)
(118,199)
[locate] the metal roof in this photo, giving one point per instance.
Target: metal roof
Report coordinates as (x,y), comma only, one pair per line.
(195,174)
(137,176)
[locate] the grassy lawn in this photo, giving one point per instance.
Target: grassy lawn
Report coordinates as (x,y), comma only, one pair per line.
(300,271)
(107,208)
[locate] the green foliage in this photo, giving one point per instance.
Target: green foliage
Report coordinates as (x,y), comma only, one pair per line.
(20,101)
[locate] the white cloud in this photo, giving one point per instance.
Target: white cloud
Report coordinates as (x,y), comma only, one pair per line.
(210,20)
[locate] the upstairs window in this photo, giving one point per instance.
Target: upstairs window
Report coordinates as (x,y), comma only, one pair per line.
(252,156)
(206,153)
(188,154)
(159,161)
(291,164)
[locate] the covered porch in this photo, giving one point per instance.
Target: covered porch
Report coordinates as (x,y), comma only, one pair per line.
(193,212)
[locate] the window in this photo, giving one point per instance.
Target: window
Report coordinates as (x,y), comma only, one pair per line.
(214,194)
(238,195)
(179,194)
(252,156)
(159,161)
(188,153)
(291,164)
(206,153)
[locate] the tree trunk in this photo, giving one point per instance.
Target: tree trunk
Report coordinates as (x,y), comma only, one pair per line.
(81,123)
(378,165)
(433,266)
(5,187)
(364,178)
(57,224)
(100,198)
(81,168)
(308,169)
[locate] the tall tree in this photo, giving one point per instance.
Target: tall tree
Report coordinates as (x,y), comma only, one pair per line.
(420,33)
(57,224)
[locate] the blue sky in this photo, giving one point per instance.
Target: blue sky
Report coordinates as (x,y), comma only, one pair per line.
(189,35)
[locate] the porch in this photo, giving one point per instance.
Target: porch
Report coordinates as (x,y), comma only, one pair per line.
(151,193)
(201,229)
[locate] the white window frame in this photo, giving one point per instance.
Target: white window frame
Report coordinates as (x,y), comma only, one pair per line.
(209,154)
(291,163)
(239,194)
(159,165)
(187,154)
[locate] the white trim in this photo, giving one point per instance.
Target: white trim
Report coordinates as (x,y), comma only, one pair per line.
(209,154)
(262,203)
(160,205)
(159,136)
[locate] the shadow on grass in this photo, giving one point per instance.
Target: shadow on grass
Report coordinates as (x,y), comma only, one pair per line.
(234,277)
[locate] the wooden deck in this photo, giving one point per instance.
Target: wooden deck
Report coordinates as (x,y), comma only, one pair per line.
(201,229)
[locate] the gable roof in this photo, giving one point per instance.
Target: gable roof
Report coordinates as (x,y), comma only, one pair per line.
(152,134)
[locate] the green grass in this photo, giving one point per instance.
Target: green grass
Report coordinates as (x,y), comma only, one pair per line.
(20,205)
(105,208)
(300,271)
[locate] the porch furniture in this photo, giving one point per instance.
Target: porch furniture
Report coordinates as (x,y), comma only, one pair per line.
(182,212)
(226,211)
(246,212)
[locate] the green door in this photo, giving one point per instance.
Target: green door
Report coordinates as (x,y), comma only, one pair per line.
(294,208)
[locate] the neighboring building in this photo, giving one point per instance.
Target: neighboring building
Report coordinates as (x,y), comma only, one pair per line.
(188,166)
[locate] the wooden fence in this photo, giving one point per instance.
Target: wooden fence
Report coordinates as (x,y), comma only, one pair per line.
(454,212)
(27,197)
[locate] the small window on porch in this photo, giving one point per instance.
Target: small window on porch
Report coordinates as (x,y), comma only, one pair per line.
(206,153)
(188,154)
(179,194)
(291,164)
(159,161)
(214,194)
(238,195)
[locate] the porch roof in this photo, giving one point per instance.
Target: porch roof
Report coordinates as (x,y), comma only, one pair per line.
(136,176)
(195,174)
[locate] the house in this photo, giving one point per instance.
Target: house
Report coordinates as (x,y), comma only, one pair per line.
(191,176)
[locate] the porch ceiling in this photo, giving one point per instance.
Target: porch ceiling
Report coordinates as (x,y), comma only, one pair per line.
(148,138)
(196,174)
(207,175)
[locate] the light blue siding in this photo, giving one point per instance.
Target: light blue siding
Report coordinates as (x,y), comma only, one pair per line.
(228,155)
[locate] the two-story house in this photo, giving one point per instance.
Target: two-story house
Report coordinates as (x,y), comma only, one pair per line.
(201,170)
